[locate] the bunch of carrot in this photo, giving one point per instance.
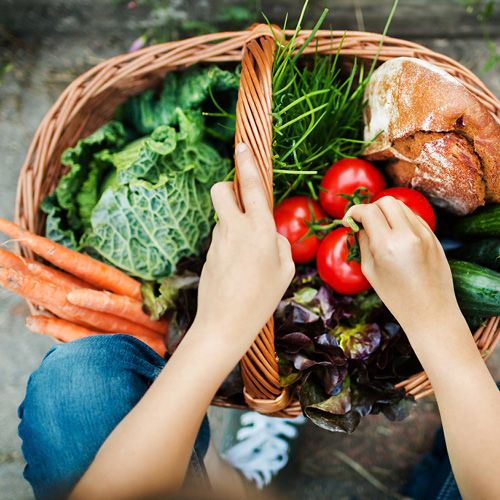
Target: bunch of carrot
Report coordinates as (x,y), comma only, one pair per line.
(87,297)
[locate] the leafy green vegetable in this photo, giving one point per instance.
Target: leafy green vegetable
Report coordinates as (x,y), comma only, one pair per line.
(160,298)
(80,184)
(144,158)
(332,413)
(360,341)
(141,202)
(341,353)
(191,89)
(89,192)
(54,226)
(343,412)
(160,211)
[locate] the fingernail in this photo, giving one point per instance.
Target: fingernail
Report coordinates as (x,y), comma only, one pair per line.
(241,147)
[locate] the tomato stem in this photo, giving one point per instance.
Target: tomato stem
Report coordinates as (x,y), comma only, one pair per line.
(359,196)
(321,228)
(352,224)
(353,251)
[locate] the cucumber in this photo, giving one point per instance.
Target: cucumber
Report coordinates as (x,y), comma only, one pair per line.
(484,222)
(483,252)
(477,289)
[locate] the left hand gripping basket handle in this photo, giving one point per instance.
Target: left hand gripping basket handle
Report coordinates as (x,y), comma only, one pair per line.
(259,366)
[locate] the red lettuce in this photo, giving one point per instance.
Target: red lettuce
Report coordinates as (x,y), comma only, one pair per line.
(342,354)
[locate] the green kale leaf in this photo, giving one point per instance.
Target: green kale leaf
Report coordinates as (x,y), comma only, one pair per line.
(191,89)
(78,189)
(55,229)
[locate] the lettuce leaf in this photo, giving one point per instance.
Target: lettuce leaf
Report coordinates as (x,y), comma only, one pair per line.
(55,229)
(161,297)
(343,411)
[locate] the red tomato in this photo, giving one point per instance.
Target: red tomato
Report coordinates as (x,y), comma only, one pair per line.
(344,277)
(344,177)
(414,200)
(289,217)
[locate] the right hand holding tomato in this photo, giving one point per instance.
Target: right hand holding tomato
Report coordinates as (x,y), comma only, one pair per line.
(414,200)
(301,220)
(404,262)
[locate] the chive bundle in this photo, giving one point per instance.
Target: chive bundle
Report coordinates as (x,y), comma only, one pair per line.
(317,113)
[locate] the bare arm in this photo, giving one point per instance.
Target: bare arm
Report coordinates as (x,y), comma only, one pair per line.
(406,265)
(242,282)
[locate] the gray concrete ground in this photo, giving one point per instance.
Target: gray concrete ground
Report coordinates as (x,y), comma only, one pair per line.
(49,42)
(25,95)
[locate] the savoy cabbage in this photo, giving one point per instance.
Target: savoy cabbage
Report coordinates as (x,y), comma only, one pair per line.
(142,202)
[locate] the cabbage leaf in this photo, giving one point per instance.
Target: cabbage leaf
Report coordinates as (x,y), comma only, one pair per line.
(142,202)
(191,89)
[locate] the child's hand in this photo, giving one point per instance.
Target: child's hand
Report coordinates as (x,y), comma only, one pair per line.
(249,265)
(405,263)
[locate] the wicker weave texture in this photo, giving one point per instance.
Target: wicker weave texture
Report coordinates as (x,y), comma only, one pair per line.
(90,101)
(261,381)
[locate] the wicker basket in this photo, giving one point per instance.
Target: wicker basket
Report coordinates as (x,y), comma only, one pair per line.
(90,101)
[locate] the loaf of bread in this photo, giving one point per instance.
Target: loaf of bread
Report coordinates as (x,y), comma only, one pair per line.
(440,139)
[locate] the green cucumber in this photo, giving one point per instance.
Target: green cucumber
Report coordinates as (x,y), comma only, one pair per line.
(483,252)
(484,222)
(477,289)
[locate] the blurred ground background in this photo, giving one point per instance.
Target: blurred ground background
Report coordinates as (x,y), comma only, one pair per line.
(44,44)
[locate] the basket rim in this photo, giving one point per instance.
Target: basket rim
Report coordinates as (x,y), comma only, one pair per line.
(177,55)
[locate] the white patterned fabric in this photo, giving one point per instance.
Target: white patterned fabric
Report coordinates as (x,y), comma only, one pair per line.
(263,448)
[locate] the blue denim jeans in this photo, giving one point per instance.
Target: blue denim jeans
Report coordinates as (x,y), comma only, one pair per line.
(432,478)
(78,395)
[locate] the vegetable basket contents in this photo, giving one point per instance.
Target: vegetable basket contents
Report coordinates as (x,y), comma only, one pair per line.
(114,214)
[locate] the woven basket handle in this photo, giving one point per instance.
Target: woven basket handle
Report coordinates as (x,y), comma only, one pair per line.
(253,109)
(259,367)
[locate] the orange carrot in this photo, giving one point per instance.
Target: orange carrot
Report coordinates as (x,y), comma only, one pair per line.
(53,298)
(60,329)
(11,260)
(106,323)
(84,267)
(65,331)
(54,276)
(119,305)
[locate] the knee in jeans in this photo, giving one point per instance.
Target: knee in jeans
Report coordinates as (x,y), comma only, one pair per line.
(78,395)
(86,373)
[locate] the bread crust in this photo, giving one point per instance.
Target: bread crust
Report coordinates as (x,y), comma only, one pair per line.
(433,156)
(407,97)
